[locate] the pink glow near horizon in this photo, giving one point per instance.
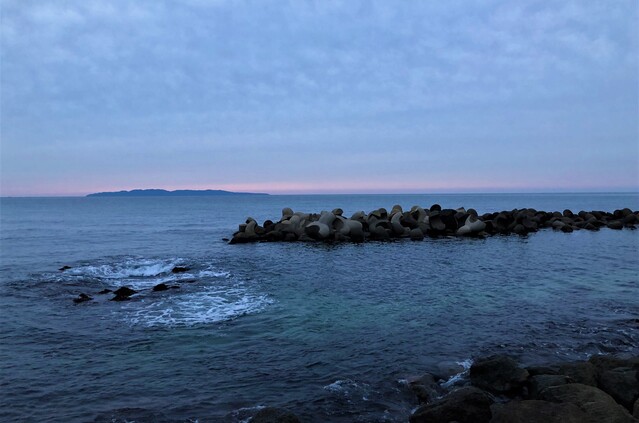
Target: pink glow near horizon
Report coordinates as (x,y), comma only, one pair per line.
(287,187)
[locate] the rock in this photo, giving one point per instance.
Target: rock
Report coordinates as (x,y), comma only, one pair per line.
(180,269)
(615,224)
(519,229)
(566,229)
(63,268)
(604,363)
(538,383)
(82,298)
(274,415)
(622,384)
(435,207)
(416,234)
(535,411)
(635,413)
(123,294)
(600,406)
(160,287)
(498,374)
(542,370)
(464,405)
(583,372)
(105,291)
(426,388)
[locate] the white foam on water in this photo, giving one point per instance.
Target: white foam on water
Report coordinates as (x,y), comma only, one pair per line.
(347,387)
(459,376)
(129,268)
(209,304)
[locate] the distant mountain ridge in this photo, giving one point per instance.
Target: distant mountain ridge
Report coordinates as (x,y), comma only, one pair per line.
(176,193)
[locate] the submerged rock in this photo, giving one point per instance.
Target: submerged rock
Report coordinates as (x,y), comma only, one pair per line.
(180,269)
(63,268)
(160,287)
(82,298)
(122,294)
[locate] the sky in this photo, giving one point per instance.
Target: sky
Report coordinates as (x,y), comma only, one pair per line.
(319,96)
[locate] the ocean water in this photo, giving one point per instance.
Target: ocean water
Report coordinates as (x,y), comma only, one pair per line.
(330,332)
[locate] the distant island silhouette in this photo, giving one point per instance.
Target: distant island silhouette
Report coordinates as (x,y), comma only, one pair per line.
(176,193)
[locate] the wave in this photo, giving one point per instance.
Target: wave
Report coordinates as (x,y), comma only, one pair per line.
(206,294)
(206,306)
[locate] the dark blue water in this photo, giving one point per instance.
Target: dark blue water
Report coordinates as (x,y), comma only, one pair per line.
(330,332)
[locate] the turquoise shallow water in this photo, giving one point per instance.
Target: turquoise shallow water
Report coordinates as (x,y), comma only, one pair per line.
(328,331)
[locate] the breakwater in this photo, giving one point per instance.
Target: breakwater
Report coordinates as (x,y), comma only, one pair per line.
(418,223)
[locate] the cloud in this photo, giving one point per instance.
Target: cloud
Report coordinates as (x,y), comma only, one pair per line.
(140,78)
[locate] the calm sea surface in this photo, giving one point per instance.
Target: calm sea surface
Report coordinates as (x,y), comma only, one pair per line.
(331,332)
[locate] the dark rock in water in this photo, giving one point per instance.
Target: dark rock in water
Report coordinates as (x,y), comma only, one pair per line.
(600,406)
(622,384)
(82,298)
(225,239)
(584,372)
(63,268)
(174,287)
(104,291)
(538,383)
(123,293)
(534,411)
(566,229)
(180,269)
(160,287)
(615,224)
(416,234)
(274,415)
(498,374)
(464,405)
(520,229)
(435,207)
(426,388)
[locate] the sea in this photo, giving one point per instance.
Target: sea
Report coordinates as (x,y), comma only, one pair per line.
(330,332)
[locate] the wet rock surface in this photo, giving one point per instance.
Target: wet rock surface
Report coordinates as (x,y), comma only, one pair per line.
(418,223)
(499,390)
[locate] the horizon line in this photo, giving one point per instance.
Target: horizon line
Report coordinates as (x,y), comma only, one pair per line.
(630,191)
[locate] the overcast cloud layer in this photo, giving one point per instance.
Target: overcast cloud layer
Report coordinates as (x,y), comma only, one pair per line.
(323,96)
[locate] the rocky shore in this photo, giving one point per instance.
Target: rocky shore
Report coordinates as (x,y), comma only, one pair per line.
(604,389)
(496,389)
(418,223)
